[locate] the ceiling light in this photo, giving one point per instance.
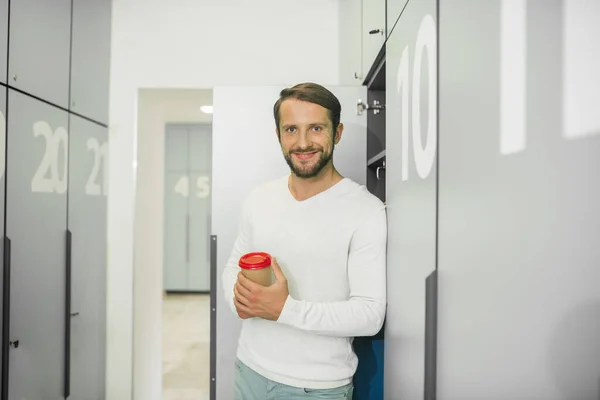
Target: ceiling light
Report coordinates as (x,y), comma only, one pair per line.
(206,109)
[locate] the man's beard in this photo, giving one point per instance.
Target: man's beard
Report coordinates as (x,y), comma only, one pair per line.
(309,171)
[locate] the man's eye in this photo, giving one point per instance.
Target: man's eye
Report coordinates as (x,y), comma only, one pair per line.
(317,128)
(291,130)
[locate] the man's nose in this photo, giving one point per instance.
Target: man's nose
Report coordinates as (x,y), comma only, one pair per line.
(304,140)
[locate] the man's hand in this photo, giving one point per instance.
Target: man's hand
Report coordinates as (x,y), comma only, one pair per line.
(254,300)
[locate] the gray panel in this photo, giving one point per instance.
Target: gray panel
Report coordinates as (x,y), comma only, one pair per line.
(250,110)
(200,160)
(3,38)
(88,148)
(2,178)
(176,148)
(410,193)
(394,8)
(213,317)
(373,18)
(199,233)
(39,48)
(176,223)
(36,224)
(375,124)
(200,148)
(350,21)
(519,266)
(90,59)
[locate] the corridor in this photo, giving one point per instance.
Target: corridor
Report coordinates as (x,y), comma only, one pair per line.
(186,347)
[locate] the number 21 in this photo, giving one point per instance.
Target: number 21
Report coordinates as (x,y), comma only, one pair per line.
(100,153)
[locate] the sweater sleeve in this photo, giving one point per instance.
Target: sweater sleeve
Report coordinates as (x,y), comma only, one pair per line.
(241,246)
(364,311)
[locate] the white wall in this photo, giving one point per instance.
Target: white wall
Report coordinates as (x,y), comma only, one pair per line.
(189,44)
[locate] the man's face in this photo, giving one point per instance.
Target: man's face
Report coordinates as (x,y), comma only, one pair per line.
(307,137)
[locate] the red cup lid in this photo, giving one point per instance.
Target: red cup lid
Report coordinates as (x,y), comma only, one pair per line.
(256,260)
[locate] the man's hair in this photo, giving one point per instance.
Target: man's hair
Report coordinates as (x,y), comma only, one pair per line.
(312,93)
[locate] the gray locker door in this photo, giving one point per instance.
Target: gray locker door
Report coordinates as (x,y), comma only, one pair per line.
(90,58)
(36,212)
(39,48)
(177,225)
(88,152)
(3,38)
(2,178)
(393,10)
(176,218)
(200,147)
(519,266)
(176,148)
(411,192)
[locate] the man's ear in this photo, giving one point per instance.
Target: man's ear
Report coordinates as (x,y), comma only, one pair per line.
(338,133)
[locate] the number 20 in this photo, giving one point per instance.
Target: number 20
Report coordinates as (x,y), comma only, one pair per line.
(47,178)
(49,164)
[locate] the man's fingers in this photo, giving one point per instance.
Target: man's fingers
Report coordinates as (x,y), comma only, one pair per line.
(246,283)
(242,291)
(277,270)
(241,307)
(240,297)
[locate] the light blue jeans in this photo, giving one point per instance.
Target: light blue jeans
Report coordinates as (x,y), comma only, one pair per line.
(251,386)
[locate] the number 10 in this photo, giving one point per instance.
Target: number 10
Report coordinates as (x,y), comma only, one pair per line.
(424,158)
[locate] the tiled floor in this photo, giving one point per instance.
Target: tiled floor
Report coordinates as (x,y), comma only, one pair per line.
(186,347)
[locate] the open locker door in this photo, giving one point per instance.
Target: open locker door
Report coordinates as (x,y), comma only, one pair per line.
(246,153)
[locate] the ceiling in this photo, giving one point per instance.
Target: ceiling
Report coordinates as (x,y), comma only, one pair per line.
(178,105)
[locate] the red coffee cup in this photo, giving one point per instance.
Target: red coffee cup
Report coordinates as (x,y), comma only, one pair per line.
(256,266)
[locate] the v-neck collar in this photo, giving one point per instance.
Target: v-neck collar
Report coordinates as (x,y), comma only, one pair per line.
(330,189)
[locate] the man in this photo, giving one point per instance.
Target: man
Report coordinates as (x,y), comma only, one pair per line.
(327,236)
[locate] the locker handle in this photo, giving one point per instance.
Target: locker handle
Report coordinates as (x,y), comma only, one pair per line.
(187,238)
(378,169)
(431,302)
(208,236)
(6,342)
(67,382)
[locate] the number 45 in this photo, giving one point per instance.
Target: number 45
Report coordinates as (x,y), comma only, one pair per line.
(183,186)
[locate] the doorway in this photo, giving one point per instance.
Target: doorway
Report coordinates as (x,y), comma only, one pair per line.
(172,245)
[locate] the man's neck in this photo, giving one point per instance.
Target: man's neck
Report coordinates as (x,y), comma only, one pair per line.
(305,188)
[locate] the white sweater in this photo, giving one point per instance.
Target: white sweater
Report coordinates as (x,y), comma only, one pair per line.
(332,250)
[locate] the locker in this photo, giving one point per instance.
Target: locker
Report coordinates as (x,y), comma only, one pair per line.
(2,182)
(88,156)
(36,209)
(393,10)
(200,163)
(519,193)
(176,250)
(373,31)
(411,193)
(187,207)
(176,151)
(3,38)
(39,48)
(176,219)
(90,58)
